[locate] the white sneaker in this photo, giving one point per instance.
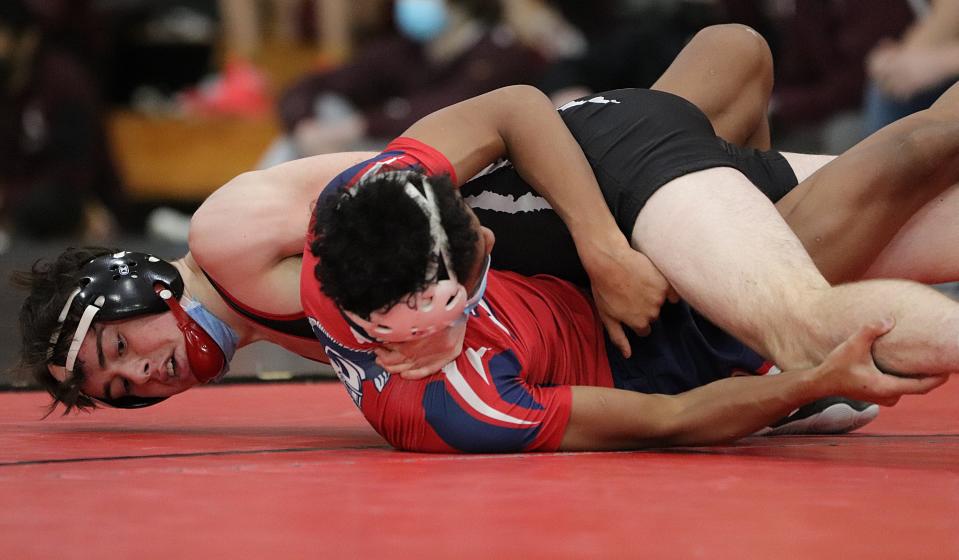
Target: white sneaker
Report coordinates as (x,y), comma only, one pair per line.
(832,415)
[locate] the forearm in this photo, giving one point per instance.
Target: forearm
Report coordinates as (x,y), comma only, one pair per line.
(725,410)
(550,160)
(715,413)
(519,122)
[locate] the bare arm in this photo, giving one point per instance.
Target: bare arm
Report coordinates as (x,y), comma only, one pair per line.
(726,410)
(521,123)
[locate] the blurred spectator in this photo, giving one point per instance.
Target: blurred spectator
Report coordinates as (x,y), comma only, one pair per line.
(56,172)
(627,43)
(908,74)
(819,49)
(448,50)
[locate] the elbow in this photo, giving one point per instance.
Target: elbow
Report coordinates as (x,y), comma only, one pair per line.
(522,95)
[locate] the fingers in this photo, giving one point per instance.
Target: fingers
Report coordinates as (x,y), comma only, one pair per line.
(922,385)
(410,369)
(419,373)
(862,340)
(894,387)
(642,325)
(868,334)
(395,367)
(892,401)
(672,295)
(388,357)
(616,334)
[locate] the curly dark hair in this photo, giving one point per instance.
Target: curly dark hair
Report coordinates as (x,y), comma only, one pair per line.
(49,283)
(374,245)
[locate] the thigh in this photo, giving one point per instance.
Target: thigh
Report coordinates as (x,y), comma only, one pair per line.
(847,211)
(726,71)
(925,249)
(637,140)
(804,165)
(727,251)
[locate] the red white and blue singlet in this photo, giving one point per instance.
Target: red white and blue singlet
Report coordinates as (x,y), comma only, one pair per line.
(508,390)
(528,341)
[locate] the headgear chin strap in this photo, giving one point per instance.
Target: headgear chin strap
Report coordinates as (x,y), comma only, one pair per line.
(124,285)
(435,308)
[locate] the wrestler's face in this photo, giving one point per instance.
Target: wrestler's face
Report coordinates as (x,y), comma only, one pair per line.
(143,357)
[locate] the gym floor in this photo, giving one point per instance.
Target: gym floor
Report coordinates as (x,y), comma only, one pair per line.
(292,470)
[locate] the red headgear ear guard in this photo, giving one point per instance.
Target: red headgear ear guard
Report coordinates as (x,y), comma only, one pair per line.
(205,356)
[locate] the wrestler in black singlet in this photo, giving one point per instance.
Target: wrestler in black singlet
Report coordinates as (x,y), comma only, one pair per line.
(636,141)
(634,147)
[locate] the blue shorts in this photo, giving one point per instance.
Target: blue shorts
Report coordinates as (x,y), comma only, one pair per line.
(683,351)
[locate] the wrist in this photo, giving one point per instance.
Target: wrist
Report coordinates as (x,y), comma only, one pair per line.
(597,246)
(813,384)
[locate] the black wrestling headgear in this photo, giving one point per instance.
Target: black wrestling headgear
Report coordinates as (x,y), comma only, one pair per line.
(111,288)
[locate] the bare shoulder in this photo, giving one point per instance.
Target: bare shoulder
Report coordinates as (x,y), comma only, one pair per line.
(259,218)
(249,234)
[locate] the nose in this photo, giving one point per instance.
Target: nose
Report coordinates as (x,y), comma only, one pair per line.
(141,372)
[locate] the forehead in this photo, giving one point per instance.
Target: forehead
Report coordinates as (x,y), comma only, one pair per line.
(88,354)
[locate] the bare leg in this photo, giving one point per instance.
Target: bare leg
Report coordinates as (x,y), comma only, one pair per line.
(923,250)
(726,71)
(784,307)
(848,211)
(730,254)
(926,249)
(846,214)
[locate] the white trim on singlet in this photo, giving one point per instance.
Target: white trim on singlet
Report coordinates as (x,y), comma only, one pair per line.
(488,200)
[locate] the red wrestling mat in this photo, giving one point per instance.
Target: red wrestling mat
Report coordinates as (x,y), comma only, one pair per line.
(292,471)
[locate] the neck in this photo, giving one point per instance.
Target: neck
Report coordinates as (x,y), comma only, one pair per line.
(197,287)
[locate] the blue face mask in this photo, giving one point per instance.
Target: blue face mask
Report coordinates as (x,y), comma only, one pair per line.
(222,334)
(421,20)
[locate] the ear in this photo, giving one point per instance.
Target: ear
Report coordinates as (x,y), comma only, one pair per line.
(489,238)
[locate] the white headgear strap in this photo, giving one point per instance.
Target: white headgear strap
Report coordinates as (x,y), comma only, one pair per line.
(441,243)
(62,375)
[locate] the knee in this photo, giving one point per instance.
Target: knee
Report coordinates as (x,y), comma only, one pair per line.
(745,45)
(926,155)
(933,147)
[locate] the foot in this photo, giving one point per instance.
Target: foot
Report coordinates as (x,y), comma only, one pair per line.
(832,415)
